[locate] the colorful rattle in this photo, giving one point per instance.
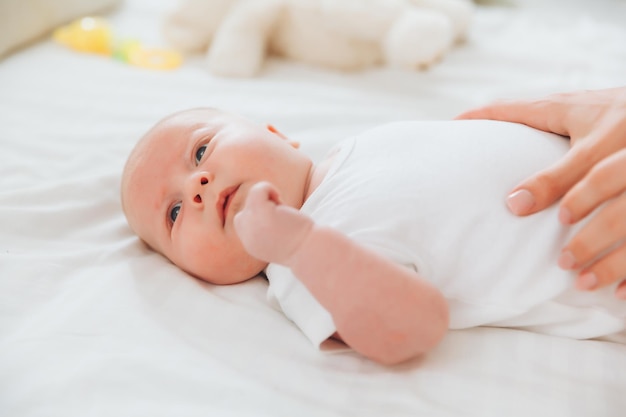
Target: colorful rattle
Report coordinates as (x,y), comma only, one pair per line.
(94,35)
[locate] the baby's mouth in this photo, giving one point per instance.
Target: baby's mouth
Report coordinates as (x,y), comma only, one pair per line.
(224,202)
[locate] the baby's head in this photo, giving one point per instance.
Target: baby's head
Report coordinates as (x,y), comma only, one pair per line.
(190,174)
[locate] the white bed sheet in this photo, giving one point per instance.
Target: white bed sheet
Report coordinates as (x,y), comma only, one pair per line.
(94,324)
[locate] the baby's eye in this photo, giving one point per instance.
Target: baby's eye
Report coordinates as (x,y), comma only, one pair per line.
(174,212)
(200,154)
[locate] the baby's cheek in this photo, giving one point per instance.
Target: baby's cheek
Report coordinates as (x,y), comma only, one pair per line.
(199,251)
(189,253)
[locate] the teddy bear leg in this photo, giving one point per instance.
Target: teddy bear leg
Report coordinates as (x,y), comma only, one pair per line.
(459,12)
(241,57)
(417,39)
(240,44)
(183,38)
(190,27)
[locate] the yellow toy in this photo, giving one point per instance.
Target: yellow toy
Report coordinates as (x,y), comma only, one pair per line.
(94,35)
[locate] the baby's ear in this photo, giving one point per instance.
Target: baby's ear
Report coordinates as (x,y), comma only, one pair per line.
(278,133)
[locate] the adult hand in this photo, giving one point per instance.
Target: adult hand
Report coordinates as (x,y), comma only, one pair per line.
(590,178)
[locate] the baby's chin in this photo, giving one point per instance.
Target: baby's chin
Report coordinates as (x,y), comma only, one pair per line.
(236,276)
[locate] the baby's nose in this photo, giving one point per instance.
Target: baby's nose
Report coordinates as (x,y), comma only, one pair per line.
(195,185)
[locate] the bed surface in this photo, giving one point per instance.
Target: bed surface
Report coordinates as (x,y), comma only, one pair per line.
(94,324)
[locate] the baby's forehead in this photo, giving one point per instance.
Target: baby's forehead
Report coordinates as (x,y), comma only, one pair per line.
(164,138)
(195,115)
(169,133)
(175,129)
(187,120)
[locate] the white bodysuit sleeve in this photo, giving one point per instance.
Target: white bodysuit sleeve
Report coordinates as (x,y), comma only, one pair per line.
(299,305)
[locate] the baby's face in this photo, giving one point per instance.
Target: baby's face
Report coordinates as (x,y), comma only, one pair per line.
(188,177)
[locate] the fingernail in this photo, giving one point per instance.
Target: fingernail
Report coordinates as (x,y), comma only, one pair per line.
(565,216)
(587,281)
(520,202)
(567,260)
(621,292)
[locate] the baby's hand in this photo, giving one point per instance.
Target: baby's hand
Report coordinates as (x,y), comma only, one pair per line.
(269,230)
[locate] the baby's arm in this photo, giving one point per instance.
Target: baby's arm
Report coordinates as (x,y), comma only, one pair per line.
(382,310)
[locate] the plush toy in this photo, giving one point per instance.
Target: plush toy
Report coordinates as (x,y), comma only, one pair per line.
(237,35)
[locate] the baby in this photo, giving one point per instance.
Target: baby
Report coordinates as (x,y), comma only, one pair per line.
(398,235)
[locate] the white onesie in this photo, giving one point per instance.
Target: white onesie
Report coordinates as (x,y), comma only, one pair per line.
(431,196)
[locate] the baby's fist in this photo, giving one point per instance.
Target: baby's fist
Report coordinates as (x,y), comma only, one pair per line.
(269,230)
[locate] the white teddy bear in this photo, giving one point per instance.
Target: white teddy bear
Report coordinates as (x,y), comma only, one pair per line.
(237,35)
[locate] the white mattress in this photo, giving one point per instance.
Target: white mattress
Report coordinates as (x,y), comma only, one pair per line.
(94,324)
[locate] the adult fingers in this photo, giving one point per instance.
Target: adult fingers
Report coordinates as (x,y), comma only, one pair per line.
(545,187)
(607,271)
(605,180)
(548,185)
(599,247)
(549,114)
